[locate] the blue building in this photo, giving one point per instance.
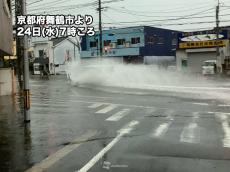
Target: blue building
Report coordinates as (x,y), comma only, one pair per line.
(141,44)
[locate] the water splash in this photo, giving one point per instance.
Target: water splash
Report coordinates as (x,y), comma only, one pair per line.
(96,73)
(108,72)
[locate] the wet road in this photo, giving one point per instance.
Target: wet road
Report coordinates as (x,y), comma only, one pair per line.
(85,129)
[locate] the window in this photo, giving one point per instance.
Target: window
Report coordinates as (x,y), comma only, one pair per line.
(93,43)
(135,40)
(107,42)
(121,42)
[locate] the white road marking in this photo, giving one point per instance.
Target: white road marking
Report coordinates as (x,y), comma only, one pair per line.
(117,116)
(187,87)
(218,113)
(127,129)
(201,104)
(188,133)
(130,105)
(169,115)
(54,158)
(96,105)
(224,105)
(108,165)
(107,109)
(162,129)
(226,128)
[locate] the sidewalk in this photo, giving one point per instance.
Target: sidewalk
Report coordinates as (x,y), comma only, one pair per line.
(14,138)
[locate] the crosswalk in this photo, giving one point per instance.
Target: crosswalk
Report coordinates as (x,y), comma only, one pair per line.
(224,119)
(163,123)
(188,132)
(119,115)
(107,109)
(191,133)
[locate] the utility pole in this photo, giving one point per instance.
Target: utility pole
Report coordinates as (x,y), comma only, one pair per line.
(217,31)
(100,27)
(26,75)
(19,43)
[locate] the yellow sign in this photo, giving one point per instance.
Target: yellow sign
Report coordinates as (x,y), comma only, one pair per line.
(203,44)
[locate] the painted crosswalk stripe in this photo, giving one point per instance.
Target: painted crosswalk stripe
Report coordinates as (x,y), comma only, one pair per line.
(201,104)
(188,134)
(191,133)
(107,109)
(224,105)
(96,105)
(117,116)
(162,129)
(226,128)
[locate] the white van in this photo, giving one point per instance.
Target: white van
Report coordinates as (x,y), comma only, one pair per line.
(209,67)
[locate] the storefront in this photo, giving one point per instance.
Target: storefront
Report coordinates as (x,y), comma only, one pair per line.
(197,47)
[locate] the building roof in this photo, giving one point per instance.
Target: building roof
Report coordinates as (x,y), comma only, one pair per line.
(58,40)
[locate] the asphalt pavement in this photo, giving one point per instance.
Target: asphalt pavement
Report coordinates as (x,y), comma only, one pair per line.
(86,129)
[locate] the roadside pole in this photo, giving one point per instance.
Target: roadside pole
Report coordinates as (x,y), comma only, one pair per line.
(26,75)
(217,35)
(100,28)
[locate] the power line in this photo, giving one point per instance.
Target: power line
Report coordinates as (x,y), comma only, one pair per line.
(133,13)
(180,24)
(64,8)
(171,19)
(167,11)
(51,2)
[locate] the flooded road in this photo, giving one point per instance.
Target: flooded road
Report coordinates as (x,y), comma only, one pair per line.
(113,130)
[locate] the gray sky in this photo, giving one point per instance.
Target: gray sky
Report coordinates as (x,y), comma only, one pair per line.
(173,14)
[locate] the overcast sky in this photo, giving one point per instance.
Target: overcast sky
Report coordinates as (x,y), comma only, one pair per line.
(197,14)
